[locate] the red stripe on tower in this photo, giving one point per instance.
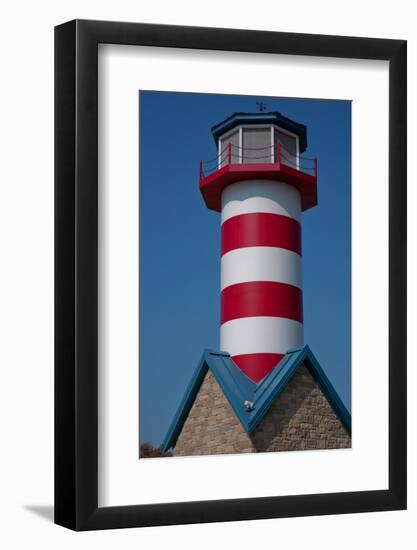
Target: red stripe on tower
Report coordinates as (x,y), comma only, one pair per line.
(261,229)
(257,365)
(261,299)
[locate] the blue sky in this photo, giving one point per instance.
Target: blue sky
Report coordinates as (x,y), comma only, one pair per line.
(180,243)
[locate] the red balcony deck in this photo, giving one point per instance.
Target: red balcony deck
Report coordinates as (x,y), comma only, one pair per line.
(212,185)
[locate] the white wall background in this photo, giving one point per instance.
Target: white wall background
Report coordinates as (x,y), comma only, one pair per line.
(26,272)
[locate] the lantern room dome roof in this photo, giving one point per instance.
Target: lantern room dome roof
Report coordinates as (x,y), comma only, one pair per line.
(274,118)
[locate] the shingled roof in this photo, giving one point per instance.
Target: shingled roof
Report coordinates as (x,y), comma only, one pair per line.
(251,401)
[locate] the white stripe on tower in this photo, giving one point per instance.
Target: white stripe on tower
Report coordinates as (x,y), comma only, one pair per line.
(260,263)
(261,334)
(261,286)
(273,197)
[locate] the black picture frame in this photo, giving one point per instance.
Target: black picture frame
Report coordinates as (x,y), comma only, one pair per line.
(76,273)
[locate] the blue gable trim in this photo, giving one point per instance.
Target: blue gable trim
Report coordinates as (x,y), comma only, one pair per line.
(238,389)
(261,118)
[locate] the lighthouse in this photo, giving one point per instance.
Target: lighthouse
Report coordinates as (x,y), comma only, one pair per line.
(260,184)
(264,390)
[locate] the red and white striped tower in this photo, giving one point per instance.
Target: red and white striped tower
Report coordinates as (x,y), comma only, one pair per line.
(260,184)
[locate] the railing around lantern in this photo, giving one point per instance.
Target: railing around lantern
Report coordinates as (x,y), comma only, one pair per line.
(233,154)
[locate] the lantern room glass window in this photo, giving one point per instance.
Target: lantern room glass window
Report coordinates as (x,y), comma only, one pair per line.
(233,140)
(257,146)
(288,148)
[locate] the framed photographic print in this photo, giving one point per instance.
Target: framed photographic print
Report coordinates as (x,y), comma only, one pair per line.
(230,275)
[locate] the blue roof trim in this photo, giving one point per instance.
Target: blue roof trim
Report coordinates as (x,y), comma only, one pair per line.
(238,388)
(261,118)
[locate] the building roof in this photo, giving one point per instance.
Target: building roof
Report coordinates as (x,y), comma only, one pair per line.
(262,118)
(251,401)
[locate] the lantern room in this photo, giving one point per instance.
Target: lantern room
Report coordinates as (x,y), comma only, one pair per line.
(259,146)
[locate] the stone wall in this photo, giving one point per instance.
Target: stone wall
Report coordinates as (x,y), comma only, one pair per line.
(300,419)
(212,426)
